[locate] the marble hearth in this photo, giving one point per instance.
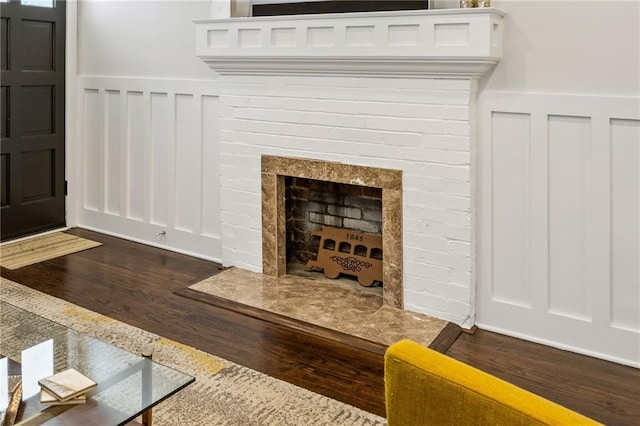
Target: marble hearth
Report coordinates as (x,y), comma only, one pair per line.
(332,304)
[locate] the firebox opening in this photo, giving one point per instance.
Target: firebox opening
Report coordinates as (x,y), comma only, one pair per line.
(311,204)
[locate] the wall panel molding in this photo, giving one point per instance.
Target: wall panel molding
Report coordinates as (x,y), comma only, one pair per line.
(559,214)
(148,161)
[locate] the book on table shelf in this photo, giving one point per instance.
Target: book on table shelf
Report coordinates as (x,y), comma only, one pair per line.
(67,384)
(47,399)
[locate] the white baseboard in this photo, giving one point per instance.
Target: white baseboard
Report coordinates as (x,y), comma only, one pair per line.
(559,345)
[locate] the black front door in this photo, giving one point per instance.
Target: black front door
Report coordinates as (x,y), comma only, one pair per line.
(32,109)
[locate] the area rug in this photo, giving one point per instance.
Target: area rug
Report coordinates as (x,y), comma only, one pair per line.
(333,304)
(224,393)
(38,249)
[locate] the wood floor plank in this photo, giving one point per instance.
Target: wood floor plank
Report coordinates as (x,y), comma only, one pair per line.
(134,283)
(604,391)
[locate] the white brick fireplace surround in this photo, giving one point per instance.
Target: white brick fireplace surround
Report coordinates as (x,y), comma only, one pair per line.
(393,90)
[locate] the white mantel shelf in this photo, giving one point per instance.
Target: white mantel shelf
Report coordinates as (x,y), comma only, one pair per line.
(463,43)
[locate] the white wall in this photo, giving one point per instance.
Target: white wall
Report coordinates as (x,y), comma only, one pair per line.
(560,221)
(567,46)
(147,132)
(140,38)
(586,47)
(559,199)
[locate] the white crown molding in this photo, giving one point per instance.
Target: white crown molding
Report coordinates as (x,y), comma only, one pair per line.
(463,43)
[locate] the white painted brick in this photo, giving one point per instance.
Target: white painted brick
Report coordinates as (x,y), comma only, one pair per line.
(251,198)
(448,231)
(365,150)
(401,139)
(428,126)
(232,218)
(457,97)
(432,272)
(226,135)
(420,299)
(458,308)
(461,173)
(426,242)
(444,142)
(234,101)
(456,187)
(226,111)
(414,110)
(248,162)
(452,261)
(451,291)
(412,167)
(458,158)
(461,278)
(419,126)
(456,128)
(459,219)
(352,121)
(460,247)
(427,155)
(296,104)
(411,226)
(415,282)
(242,172)
(429,213)
(388,123)
(378,108)
(420,198)
(265,102)
(415,83)
(455,112)
(340,107)
(247,185)
(357,135)
(459,203)
(429,184)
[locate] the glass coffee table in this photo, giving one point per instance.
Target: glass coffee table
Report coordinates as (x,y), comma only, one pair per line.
(33,347)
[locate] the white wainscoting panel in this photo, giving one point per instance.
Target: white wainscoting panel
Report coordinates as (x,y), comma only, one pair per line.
(150,161)
(559,221)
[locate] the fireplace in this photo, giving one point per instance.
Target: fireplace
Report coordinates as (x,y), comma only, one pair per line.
(383,100)
(313,205)
(275,171)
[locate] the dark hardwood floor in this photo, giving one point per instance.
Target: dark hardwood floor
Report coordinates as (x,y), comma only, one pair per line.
(135,284)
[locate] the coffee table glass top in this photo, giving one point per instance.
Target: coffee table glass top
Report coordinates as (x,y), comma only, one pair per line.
(34,347)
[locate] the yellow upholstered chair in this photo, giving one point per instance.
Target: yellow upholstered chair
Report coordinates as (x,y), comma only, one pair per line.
(424,387)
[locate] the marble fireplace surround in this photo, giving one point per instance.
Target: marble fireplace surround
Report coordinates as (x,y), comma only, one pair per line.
(274,170)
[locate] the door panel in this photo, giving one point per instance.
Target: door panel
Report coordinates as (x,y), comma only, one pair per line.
(4,111)
(38,44)
(38,110)
(4,43)
(32,121)
(4,175)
